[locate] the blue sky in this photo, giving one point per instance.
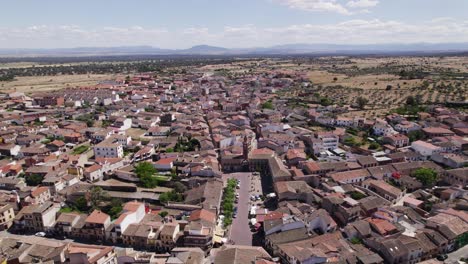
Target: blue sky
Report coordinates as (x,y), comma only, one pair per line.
(229,23)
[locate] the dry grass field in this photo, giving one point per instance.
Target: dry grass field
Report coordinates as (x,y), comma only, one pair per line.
(344,81)
(50,83)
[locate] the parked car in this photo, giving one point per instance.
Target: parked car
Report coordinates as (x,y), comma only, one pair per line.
(40,234)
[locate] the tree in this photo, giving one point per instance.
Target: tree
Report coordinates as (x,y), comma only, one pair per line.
(361,102)
(388,88)
(171,196)
(426,176)
(115,208)
(34,179)
(374,145)
(179,187)
(325,101)
(97,196)
(145,172)
(81,204)
(169,150)
(410,100)
(90,123)
(415,135)
(163,214)
(357,195)
(267,105)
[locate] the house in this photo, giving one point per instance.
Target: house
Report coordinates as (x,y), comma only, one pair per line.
(9,150)
(294,156)
(294,190)
(169,235)
(93,173)
(233,254)
(383,189)
(276,222)
(40,195)
(425,148)
(186,255)
(132,213)
(406,127)
(142,235)
(456,176)
(353,176)
(382,227)
(158,131)
(320,222)
(200,229)
(96,225)
(437,132)
(122,123)
(108,149)
(381,172)
(450,159)
(397,140)
(382,128)
(451,224)
(91,254)
(66,222)
(7,215)
(37,217)
(143,154)
(265,160)
(49,100)
(165,164)
(208,195)
(345,210)
(367,161)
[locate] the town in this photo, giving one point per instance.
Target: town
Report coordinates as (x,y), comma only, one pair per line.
(268,160)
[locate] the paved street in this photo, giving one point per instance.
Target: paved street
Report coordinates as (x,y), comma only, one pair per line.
(33,238)
(239,231)
(455,256)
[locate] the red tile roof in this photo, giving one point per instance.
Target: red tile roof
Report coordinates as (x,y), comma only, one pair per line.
(97,217)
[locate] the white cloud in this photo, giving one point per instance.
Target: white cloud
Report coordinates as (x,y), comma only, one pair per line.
(354,31)
(316,5)
(362,3)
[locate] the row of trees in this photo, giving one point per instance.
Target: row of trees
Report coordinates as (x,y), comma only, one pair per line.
(228,201)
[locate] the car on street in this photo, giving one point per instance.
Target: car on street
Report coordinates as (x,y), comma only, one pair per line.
(40,234)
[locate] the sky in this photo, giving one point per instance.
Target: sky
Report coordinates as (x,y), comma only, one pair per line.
(179,24)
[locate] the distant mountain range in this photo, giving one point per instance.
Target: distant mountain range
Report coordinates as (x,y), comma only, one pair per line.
(291,49)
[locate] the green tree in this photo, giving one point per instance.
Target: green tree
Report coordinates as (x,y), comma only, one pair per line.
(163,214)
(268,105)
(357,195)
(34,179)
(415,135)
(426,176)
(410,100)
(81,204)
(374,145)
(145,172)
(114,208)
(179,187)
(97,196)
(361,102)
(171,196)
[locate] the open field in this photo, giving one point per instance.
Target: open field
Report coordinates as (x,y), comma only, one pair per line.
(50,83)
